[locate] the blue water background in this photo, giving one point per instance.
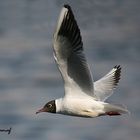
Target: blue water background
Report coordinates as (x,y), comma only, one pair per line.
(29,76)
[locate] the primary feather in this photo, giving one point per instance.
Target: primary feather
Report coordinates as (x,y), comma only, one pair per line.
(103,88)
(68,53)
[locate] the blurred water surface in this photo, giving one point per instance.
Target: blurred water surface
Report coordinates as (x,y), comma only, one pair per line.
(29,76)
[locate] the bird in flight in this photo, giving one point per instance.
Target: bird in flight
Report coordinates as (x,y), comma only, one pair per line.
(83,97)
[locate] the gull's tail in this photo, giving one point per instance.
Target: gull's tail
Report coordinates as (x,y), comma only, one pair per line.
(115,109)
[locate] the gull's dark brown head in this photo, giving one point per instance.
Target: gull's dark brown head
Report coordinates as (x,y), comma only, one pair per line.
(49,107)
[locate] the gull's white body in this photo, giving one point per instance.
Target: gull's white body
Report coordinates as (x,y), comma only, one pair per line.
(85,106)
(82,97)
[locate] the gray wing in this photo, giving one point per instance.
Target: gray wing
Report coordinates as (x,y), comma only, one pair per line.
(103,88)
(68,53)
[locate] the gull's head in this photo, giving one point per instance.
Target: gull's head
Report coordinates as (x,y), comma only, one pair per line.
(49,107)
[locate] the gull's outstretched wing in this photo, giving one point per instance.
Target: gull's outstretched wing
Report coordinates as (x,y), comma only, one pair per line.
(68,53)
(103,88)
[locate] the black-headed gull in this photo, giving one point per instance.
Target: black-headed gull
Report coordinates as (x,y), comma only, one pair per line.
(82,97)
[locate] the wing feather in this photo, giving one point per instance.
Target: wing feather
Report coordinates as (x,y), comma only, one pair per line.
(68,51)
(103,88)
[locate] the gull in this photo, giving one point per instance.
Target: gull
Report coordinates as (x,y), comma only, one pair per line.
(83,97)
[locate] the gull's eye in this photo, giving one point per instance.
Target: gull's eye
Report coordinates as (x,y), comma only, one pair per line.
(49,105)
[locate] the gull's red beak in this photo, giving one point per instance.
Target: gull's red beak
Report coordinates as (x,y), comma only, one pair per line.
(41,110)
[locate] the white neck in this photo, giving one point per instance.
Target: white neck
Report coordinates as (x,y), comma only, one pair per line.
(59,106)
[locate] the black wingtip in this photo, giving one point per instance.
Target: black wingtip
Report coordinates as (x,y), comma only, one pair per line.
(117,67)
(70,29)
(67,6)
(117,74)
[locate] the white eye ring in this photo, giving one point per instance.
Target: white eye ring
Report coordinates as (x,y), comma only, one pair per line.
(50,105)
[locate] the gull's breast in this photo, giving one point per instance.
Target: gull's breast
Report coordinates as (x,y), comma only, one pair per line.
(81,107)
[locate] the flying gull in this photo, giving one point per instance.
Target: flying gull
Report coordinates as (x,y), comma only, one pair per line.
(83,97)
